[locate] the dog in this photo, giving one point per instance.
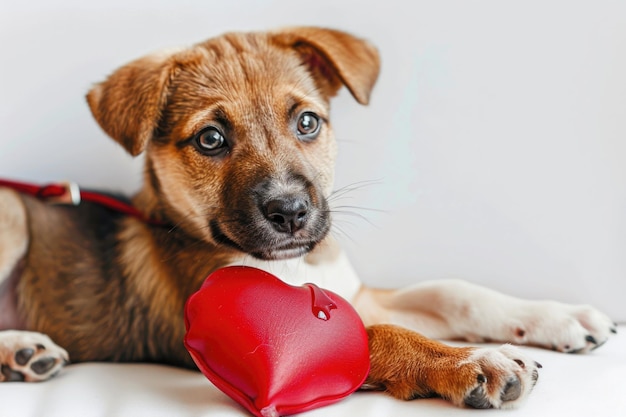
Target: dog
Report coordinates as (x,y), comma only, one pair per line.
(239,154)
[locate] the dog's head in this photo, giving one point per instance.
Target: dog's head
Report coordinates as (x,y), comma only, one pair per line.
(239,147)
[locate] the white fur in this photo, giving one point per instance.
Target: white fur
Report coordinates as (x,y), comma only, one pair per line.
(504,363)
(337,275)
(454,309)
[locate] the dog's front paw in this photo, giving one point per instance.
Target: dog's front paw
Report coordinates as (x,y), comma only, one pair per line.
(408,365)
(565,328)
(505,378)
(29,356)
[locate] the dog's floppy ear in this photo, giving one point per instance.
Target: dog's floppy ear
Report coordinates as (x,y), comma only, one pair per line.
(336,58)
(128,104)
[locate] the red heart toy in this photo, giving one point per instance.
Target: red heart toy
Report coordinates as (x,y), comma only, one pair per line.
(275,348)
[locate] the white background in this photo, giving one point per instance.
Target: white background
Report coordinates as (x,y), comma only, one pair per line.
(494,147)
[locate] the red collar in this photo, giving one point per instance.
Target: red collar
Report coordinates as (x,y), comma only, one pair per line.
(70,193)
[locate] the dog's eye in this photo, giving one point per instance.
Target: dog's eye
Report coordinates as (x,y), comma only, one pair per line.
(308,126)
(210,141)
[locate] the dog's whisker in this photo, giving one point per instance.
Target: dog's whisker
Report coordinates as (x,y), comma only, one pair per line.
(348,222)
(337,208)
(362,183)
(337,231)
(341,192)
(354,215)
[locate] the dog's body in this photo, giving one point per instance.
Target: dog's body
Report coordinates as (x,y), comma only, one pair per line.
(239,170)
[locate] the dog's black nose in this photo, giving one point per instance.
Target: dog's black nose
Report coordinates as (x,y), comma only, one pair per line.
(287,214)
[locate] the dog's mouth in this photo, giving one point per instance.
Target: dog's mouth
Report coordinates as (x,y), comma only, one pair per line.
(268,247)
(284,253)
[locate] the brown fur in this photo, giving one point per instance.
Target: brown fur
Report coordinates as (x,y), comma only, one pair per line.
(435,369)
(436,372)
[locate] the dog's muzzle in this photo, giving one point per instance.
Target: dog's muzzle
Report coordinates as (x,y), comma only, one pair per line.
(276,220)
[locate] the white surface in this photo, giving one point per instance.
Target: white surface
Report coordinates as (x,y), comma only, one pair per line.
(569,385)
(496,136)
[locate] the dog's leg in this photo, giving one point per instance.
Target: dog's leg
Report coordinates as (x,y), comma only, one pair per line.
(408,366)
(453,309)
(24,356)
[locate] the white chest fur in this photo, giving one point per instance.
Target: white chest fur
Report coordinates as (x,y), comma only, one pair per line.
(336,275)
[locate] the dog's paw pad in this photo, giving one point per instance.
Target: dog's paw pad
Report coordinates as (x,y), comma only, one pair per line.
(477,398)
(9,375)
(44,365)
(29,356)
(505,377)
(23,356)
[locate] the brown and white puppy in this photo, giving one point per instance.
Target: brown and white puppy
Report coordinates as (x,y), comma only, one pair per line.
(239,156)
